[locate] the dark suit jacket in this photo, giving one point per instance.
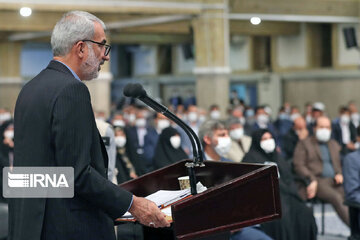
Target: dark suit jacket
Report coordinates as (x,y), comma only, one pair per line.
(307,158)
(337,135)
(143,163)
(55,126)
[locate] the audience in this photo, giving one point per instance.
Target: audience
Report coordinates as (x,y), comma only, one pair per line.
(297,220)
(317,158)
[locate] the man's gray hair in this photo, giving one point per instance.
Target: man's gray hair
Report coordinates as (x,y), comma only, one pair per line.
(74,26)
(208,128)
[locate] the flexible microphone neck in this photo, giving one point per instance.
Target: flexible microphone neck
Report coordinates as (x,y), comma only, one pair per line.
(137,91)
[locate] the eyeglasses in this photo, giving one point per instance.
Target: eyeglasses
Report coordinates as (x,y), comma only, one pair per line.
(107,47)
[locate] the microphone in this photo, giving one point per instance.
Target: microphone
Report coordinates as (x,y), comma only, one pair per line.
(137,91)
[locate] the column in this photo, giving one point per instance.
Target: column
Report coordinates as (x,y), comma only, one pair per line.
(10,77)
(211,38)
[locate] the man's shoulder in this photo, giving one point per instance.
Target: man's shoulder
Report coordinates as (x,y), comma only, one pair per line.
(353,157)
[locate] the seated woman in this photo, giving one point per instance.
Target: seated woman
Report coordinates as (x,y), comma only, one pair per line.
(297,221)
(125,169)
(168,149)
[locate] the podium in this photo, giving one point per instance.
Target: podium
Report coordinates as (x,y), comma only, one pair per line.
(238,195)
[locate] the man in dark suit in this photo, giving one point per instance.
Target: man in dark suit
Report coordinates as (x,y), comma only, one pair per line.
(141,144)
(317,158)
(55,126)
(344,131)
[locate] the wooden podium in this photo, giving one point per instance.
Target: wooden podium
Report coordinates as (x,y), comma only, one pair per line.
(238,195)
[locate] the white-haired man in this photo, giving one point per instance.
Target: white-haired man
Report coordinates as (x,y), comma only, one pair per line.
(55,126)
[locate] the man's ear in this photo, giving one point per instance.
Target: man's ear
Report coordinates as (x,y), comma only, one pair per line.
(207,140)
(80,49)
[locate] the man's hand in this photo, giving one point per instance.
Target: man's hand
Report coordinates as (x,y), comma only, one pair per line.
(339,178)
(147,213)
(311,189)
(351,146)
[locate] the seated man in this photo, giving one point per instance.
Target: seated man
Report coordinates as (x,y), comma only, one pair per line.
(297,132)
(216,143)
(351,171)
(317,158)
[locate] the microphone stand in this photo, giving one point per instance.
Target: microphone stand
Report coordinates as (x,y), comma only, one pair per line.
(196,145)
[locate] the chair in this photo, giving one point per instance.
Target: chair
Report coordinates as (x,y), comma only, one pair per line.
(354,209)
(314,201)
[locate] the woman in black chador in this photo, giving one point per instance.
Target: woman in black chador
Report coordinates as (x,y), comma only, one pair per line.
(297,221)
(168,149)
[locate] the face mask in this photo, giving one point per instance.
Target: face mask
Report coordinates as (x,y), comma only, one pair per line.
(120,141)
(223,146)
(323,134)
(131,118)
(262,119)
(308,119)
(355,117)
(140,122)
(162,124)
(202,118)
(119,123)
(242,121)
(283,116)
(9,134)
(175,141)
(237,134)
(344,119)
(192,116)
(215,115)
(5,117)
(294,116)
(249,113)
(268,145)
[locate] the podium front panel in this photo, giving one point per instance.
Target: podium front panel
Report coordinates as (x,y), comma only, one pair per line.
(238,195)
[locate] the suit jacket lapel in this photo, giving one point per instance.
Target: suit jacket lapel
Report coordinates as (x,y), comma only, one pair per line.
(317,148)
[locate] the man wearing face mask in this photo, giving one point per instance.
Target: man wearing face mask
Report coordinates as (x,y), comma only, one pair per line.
(161,122)
(142,140)
(240,143)
(317,159)
(344,131)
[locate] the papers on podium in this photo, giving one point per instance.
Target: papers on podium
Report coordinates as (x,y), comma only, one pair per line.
(164,199)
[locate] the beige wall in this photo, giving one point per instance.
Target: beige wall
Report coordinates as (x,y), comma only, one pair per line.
(333,93)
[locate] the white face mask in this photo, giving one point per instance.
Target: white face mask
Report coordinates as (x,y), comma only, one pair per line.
(263,119)
(323,134)
(9,134)
(202,118)
(242,121)
(175,141)
(355,117)
(268,145)
(223,146)
(215,115)
(162,124)
(344,119)
(295,116)
(237,134)
(5,116)
(192,116)
(140,122)
(120,141)
(119,123)
(131,118)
